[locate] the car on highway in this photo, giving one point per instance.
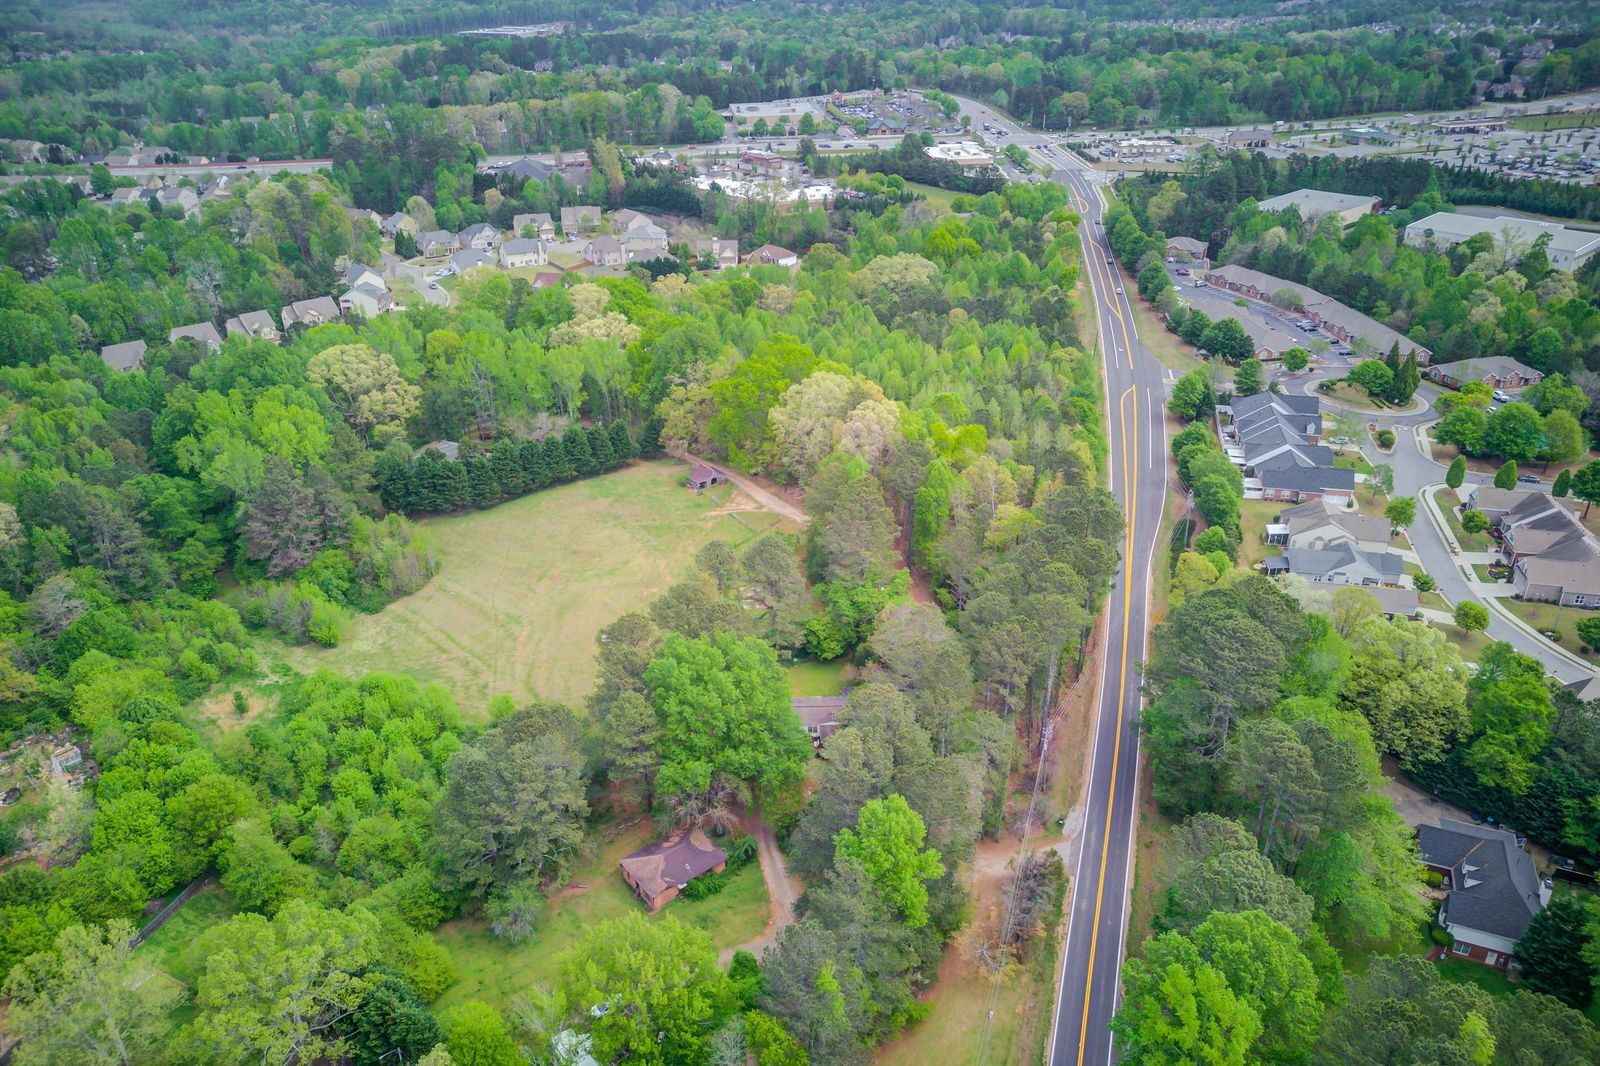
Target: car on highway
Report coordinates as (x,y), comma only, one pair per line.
(1119,290)
(1528,479)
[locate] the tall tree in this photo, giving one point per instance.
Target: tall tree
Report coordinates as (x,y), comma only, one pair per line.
(1552,951)
(656,986)
(887,841)
(86,999)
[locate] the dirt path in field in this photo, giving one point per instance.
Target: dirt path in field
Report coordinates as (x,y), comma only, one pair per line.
(782,889)
(767,498)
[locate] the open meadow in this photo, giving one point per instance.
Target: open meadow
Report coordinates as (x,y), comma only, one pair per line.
(524,587)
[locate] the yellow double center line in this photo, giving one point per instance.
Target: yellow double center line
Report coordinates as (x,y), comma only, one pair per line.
(1127,413)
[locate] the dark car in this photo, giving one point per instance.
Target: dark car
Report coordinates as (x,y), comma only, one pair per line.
(1528,479)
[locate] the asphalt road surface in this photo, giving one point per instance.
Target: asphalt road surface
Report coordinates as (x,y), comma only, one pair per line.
(1098,915)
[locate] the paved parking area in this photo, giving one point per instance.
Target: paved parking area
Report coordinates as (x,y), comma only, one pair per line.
(1267,325)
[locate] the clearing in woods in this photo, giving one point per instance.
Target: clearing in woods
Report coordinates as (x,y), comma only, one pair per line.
(523,588)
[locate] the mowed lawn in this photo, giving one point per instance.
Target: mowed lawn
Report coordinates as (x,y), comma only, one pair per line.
(525,587)
(496,972)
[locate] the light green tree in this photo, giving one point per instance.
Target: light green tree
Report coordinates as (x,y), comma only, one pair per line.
(887,841)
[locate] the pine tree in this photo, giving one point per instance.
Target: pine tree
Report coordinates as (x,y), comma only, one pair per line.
(579,455)
(1392,361)
(482,488)
(600,448)
(506,458)
(650,439)
(1563,484)
(392,473)
(622,446)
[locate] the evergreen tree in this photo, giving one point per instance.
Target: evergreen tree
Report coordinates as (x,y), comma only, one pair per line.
(1563,484)
(1553,955)
(482,488)
(579,456)
(1506,476)
(622,446)
(600,448)
(392,474)
(650,438)
(1457,473)
(506,458)
(1392,361)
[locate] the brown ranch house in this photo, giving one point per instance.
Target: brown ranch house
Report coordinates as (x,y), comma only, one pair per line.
(1497,372)
(659,871)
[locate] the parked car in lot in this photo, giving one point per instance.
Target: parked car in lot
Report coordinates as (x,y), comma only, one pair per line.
(1182,273)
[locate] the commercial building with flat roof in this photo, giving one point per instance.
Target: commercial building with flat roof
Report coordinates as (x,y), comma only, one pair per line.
(1569,248)
(1315,203)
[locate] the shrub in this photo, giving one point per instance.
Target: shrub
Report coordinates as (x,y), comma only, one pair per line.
(1386,438)
(1440,936)
(706,885)
(1424,583)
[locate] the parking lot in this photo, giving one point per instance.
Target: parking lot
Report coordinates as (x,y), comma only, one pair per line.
(1268,326)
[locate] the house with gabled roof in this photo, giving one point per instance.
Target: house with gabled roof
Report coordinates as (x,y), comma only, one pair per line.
(317,311)
(1493,890)
(129,355)
(540,222)
(659,871)
(579,220)
(199,332)
(257,325)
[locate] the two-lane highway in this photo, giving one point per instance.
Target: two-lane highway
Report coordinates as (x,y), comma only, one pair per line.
(1098,916)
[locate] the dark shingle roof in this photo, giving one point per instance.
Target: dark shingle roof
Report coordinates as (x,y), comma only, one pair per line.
(675,860)
(1494,887)
(1308,478)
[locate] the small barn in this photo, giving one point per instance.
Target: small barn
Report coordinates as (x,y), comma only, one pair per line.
(703,476)
(659,871)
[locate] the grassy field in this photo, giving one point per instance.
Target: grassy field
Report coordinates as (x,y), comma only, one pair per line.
(1471,645)
(812,678)
(170,948)
(1564,121)
(496,972)
(525,586)
(937,197)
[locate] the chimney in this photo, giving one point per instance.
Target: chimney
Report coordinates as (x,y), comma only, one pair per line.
(1545,890)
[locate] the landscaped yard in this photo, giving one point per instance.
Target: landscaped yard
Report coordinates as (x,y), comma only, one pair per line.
(1472,645)
(1482,570)
(1354,396)
(1550,617)
(1448,501)
(490,969)
(525,586)
(1253,518)
(812,678)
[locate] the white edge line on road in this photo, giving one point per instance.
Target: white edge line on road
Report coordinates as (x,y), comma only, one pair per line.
(1094,761)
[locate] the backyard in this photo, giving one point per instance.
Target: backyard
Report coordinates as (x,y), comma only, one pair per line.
(524,587)
(490,969)
(1253,518)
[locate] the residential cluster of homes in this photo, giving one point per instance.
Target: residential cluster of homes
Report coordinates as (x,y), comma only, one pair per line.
(366,293)
(578,239)
(1276,440)
(1553,559)
(159,192)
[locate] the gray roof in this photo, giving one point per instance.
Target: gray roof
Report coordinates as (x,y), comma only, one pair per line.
(528,169)
(129,355)
(476,229)
(1314,202)
(1324,307)
(435,236)
(319,305)
(1188,244)
(1314,513)
(356,270)
(1500,366)
(521,245)
(1452,226)
(580,215)
(250,323)
(1320,562)
(204,332)
(1308,478)
(468,258)
(1494,887)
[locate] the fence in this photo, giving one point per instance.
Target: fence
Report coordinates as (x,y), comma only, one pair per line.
(169,910)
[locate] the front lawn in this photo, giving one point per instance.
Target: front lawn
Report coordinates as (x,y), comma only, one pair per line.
(1448,501)
(496,972)
(1551,618)
(812,678)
